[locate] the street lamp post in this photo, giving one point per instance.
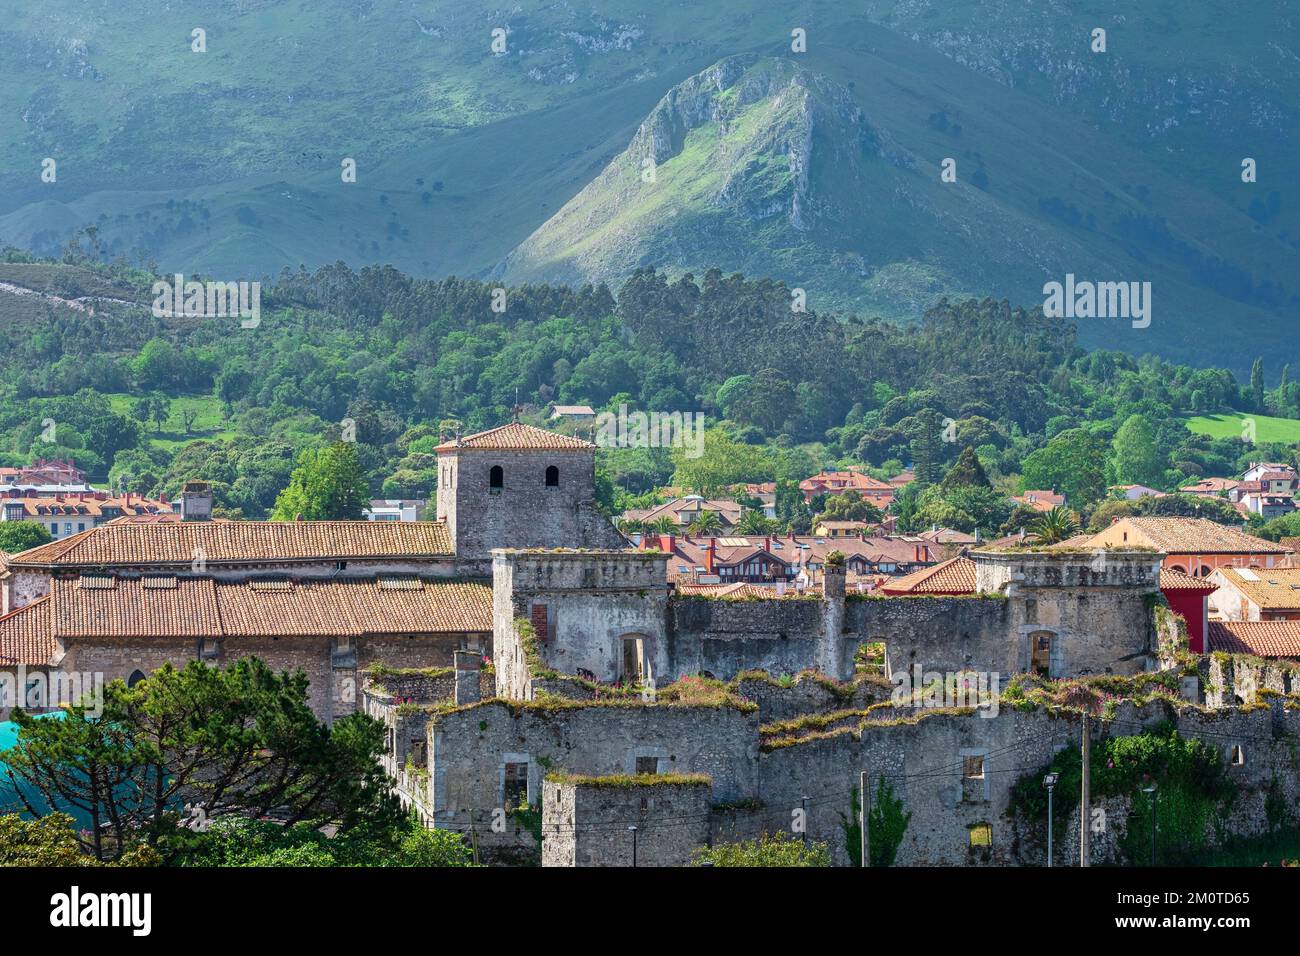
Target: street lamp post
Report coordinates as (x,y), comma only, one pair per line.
(1151,790)
(633,831)
(1050,783)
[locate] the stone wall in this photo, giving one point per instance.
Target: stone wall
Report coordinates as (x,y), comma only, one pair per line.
(586,823)
(582,605)
(1237,679)
(1087,613)
(525,512)
(331,668)
(470,748)
(924,761)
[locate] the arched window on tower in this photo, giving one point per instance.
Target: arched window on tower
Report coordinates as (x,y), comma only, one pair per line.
(496,480)
(552,476)
(135,678)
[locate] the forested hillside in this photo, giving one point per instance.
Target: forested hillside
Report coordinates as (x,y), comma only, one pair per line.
(148,403)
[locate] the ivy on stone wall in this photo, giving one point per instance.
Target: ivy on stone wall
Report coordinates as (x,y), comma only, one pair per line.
(1192,791)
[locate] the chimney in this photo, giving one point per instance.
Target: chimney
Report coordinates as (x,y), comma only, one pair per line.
(668,543)
(708,555)
(467,664)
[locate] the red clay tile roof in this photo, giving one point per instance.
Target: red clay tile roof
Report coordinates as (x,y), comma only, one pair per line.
(1260,638)
(1171,580)
(516,436)
(202,607)
(1273,589)
(1210,485)
(25,636)
(240,542)
(1187,536)
(737,591)
(955,576)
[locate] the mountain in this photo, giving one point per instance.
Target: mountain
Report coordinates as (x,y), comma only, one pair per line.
(828,176)
(1123,164)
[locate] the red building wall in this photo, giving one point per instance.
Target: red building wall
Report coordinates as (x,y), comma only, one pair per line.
(1190,604)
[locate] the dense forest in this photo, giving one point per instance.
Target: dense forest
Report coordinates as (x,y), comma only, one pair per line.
(396,363)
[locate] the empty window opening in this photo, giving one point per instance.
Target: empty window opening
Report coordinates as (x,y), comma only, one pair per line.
(496,479)
(1042,654)
(981,834)
(135,678)
(647,765)
(552,477)
(1238,758)
(516,785)
(633,658)
(974,768)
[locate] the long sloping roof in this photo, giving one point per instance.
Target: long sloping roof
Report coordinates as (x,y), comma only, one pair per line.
(516,436)
(1197,536)
(25,636)
(200,607)
(239,542)
(954,576)
(1260,638)
(1273,589)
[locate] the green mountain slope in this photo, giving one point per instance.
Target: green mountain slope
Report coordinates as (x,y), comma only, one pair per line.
(227,162)
(824,172)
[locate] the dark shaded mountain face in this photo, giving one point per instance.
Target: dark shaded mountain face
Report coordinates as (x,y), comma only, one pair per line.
(687,138)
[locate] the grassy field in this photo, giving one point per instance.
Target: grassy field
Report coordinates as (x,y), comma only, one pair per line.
(1235,425)
(208,422)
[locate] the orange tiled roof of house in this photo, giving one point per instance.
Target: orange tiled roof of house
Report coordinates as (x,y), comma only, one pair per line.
(103,605)
(954,576)
(844,481)
(1041,500)
(1187,536)
(1260,638)
(239,542)
(740,590)
(683,511)
(1273,589)
(1172,580)
(1208,486)
(25,636)
(905,477)
(516,436)
(87,504)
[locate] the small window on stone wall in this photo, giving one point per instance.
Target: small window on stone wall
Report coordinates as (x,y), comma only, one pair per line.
(647,765)
(496,479)
(552,477)
(1238,756)
(516,785)
(981,834)
(974,768)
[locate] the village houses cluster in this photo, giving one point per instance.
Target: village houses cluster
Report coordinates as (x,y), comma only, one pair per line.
(526,655)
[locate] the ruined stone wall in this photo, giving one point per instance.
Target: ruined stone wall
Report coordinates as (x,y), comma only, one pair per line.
(581,605)
(586,824)
(924,762)
(1238,679)
(809,693)
(469,749)
(1092,613)
(331,669)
